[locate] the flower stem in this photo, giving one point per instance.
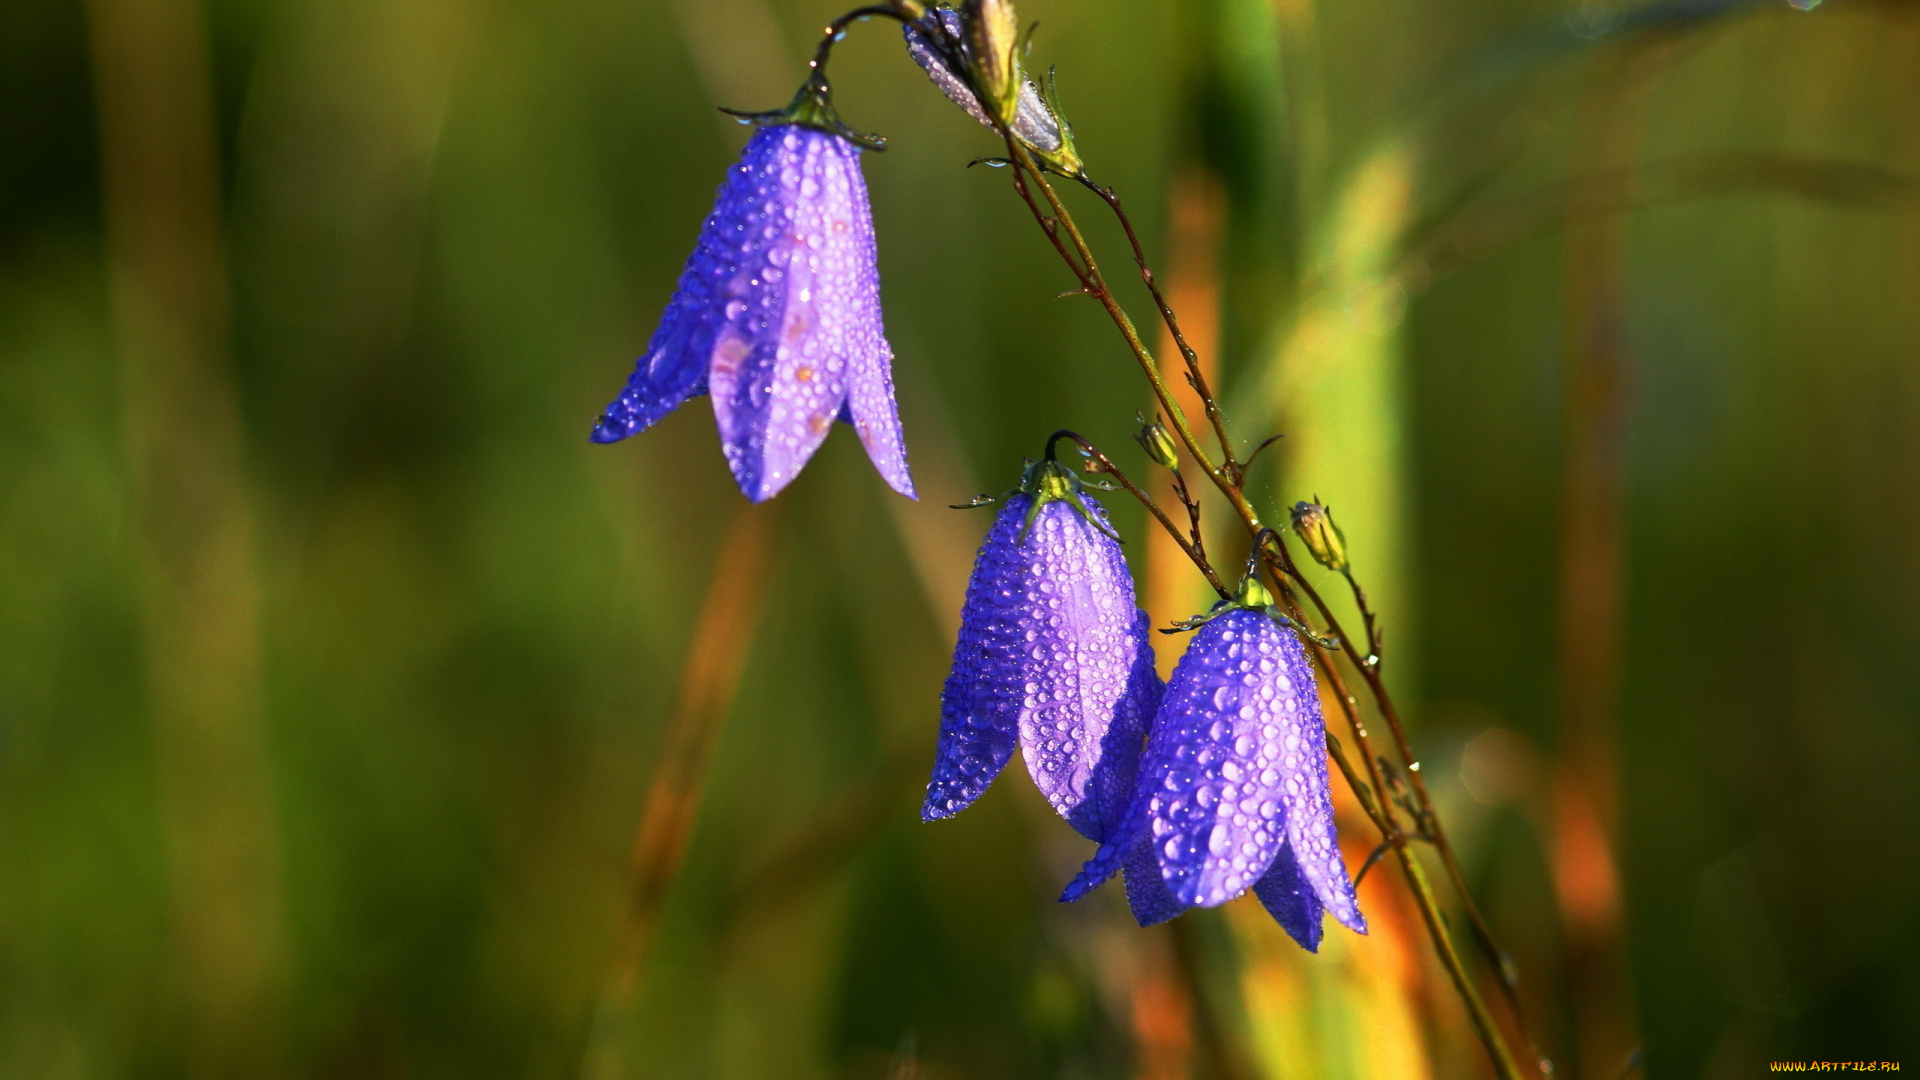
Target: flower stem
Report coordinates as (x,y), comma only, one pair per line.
(1061,229)
(1106,466)
(1430,826)
(1195,375)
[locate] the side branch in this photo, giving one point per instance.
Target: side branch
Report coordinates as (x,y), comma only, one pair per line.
(1429,826)
(1068,241)
(1194,373)
(1101,463)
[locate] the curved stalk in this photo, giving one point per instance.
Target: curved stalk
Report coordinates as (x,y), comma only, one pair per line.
(1071,244)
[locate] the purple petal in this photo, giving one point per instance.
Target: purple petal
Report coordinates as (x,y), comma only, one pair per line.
(871,408)
(779,376)
(1211,776)
(1033,122)
(980,703)
(1114,850)
(1081,722)
(1290,900)
(1236,767)
(712,308)
(777,315)
(1052,652)
(1114,779)
(1147,894)
(1308,796)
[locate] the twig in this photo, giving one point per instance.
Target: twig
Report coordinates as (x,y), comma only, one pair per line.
(1074,250)
(1194,373)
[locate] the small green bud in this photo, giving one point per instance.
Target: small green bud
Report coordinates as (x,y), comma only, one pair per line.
(1313,524)
(993,33)
(1157,441)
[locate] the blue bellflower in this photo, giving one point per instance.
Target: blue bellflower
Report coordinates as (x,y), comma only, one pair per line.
(1052,657)
(937,39)
(777,315)
(1232,791)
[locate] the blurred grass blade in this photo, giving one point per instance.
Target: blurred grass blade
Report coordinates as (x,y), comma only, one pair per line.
(722,638)
(1332,379)
(1593,576)
(199,604)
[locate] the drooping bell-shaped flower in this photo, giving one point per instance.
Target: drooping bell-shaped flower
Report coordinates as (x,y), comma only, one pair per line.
(1232,791)
(940,43)
(777,315)
(1052,658)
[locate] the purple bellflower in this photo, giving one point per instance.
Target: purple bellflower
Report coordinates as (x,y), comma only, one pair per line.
(938,42)
(1232,790)
(1053,657)
(777,315)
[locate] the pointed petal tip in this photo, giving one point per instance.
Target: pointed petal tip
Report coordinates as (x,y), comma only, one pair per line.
(606,431)
(1148,897)
(1083,883)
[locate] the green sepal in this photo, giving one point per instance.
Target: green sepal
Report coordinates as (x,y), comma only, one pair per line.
(812,106)
(1048,481)
(1252,595)
(1066,160)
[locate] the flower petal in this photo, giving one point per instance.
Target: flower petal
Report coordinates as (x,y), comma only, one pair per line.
(1308,796)
(1113,852)
(980,703)
(711,306)
(871,408)
(1214,767)
(1147,894)
(1116,776)
(1290,900)
(1081,721)
(779,381)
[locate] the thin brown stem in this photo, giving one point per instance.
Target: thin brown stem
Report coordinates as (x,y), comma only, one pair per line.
(1477,1012)
(1086,269)
(711,675)
(1194,373)
(1429,824)
(1193,511)
(1105,465)
(838,27)
(1370,672)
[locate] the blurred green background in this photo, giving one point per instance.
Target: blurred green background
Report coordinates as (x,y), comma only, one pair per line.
(336,665)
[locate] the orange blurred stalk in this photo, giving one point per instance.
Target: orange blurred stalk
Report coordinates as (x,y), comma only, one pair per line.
(709,680)
(1592,584)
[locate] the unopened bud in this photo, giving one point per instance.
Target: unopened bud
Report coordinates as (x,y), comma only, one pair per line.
(1313,524)
(993,32)
(1157,441)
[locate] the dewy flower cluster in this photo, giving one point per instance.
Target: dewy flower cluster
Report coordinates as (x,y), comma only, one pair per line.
(1196,790)
(1199,790)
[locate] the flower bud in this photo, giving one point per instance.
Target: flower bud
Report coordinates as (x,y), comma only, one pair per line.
(993,31)
(1314,525)
(1157,441)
